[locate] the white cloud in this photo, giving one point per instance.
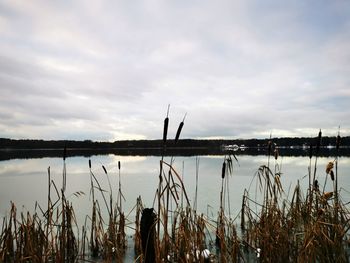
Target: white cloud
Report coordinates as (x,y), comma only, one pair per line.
(107,70)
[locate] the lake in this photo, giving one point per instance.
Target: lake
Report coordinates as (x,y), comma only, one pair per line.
(25,181)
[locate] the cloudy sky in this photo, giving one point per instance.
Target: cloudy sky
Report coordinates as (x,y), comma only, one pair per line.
(107,70)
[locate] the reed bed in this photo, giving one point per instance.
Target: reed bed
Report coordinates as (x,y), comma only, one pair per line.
(310,227)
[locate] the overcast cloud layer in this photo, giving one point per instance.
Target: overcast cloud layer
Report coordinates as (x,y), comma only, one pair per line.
(107,70)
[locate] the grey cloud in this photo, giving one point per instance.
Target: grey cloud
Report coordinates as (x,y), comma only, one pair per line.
(110,69)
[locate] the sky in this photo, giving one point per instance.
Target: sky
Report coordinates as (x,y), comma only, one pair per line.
(107,70)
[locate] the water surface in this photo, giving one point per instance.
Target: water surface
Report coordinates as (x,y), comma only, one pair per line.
(25,181)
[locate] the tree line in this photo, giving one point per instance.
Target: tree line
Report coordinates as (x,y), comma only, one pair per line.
(6,143)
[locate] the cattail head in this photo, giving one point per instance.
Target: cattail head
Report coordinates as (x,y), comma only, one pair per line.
(165,129)
(178,131)
(166,124)
(329,167)
(90,163)
(119,165)
(223,171)
(331,173)
(64,152)
(104,169)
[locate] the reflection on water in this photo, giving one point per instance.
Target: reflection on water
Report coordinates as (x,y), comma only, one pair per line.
(25,181)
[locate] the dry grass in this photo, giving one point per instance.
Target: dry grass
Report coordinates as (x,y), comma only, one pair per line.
(311,228)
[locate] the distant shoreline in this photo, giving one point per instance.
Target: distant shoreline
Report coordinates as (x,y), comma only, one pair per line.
(8,154)
(22,149)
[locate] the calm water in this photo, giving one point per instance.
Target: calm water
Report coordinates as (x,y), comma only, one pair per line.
(24,181)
